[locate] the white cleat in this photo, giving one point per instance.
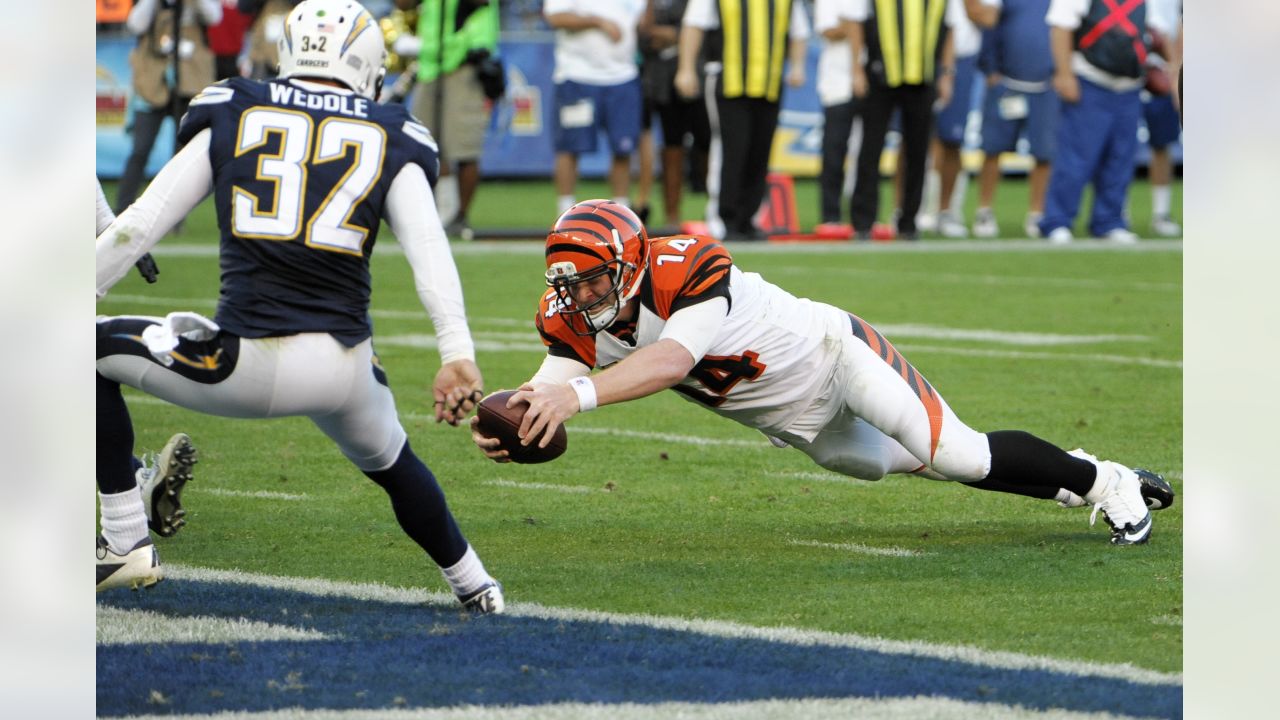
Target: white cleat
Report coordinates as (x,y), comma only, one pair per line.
(1120,236)
(984,224)
(1117,493)
(140,567)
(488,600)
(1060,236)
(161,479)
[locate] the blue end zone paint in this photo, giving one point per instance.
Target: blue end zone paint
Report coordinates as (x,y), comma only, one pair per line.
(438,657)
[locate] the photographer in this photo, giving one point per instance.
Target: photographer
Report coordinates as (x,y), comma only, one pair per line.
(457,40)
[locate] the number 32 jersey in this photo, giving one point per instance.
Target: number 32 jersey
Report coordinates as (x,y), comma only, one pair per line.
(301,173)
(771,359)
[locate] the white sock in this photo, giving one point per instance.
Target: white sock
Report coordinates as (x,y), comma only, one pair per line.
(447,202)
(564,202)
(124,519)
(932,195)
(1066,498)
(958,192)
(467,575)
(1160,200)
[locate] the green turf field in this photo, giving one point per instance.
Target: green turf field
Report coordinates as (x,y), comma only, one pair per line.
(661,507)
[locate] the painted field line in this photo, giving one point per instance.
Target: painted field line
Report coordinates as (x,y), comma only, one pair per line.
(914,708)
(979,280)
(713,628)
(538,486)
(859,548)
(1167,620)
(1028,355)
(118,626)
(821,477)
(261,494)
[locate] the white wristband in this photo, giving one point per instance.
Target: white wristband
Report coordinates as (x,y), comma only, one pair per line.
(586,391)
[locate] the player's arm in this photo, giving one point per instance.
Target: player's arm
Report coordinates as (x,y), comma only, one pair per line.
(983,13)
(685,339)
(699,16)
(411,213)
(180,185)
(576,22)
(797,45)
(555,370)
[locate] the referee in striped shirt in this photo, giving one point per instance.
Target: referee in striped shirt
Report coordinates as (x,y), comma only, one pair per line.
(748,43)
(910,64)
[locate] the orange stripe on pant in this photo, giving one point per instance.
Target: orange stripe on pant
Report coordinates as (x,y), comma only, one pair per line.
(914,379)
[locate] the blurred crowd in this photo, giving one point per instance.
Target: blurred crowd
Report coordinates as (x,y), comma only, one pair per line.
(1070,87)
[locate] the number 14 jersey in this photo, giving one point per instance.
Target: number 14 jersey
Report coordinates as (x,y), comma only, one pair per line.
(300,174)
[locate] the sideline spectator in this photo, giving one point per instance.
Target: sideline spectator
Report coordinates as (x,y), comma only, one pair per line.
(155,96)
(461,44)
(1020,102)
(1161,117)
(226,39)
(267,29)
(947,183)
(597,88)
(832,21)
(743,94)
(1099,52)
(684,122)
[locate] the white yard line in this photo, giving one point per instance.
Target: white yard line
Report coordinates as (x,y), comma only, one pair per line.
(859,548)
(538,486)
(913,708)
(261,494)
(711,628)
(821,477)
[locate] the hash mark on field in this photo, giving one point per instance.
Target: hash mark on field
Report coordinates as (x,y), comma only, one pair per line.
(1167,620)
(537,486)
(860,548)
(263,494)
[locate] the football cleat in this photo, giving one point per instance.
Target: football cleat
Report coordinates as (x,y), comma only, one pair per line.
(1157,492)
(487,600)
(140,567)
(161,479)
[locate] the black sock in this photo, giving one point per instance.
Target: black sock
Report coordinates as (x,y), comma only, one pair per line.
(420,507)
(1023,460)
(115,440)
(1043,492)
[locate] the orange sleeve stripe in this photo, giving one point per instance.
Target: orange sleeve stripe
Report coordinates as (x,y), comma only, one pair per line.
(914,379)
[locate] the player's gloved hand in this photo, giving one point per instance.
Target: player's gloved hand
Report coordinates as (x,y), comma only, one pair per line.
(457,388)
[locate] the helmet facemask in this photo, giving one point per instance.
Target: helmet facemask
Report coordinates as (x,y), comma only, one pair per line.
(600,313)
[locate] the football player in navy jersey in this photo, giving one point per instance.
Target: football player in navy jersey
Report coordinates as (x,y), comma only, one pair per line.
(303,169)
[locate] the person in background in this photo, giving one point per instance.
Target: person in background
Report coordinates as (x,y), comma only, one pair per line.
(947,183)
(684,122)
(748,41)
(909,66)
(1099,57)
(456,40)
(155,95)
(1019,102)
(597,88)
(1164,128)
(266,31)
(832,23)
(226,39)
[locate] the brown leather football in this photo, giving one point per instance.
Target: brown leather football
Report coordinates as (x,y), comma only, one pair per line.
(501,422)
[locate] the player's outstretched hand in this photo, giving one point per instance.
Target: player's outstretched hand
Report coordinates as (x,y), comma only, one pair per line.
(457,389)
(490,446)
(550,405)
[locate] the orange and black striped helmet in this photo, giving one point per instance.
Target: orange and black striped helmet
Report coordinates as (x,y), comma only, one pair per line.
(594,238)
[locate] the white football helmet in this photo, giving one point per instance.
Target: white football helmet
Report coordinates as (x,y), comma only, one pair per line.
(334,39)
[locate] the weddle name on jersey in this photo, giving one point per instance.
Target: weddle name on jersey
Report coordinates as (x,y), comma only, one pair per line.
(352,105)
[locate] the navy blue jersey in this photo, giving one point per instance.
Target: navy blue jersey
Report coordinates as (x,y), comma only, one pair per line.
(300,180)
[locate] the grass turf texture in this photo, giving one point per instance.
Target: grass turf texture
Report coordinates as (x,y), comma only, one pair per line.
(707,531)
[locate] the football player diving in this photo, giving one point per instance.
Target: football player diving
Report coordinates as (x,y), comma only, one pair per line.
(675,312)
(303,170)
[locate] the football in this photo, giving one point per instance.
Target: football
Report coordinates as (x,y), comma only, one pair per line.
(501,422)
